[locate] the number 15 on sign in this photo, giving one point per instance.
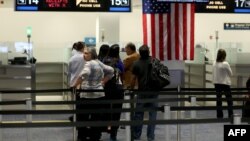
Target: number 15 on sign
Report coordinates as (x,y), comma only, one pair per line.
(120,2)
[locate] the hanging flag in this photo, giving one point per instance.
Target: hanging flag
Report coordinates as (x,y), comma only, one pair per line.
(168,28)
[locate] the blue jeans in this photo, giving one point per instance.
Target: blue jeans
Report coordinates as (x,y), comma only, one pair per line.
(137,130)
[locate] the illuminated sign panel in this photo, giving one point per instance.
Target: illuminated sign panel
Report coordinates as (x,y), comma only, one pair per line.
(74,5)
(224,6)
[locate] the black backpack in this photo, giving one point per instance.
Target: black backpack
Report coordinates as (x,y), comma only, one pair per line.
(158,75)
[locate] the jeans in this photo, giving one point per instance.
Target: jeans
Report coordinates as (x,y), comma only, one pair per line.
(137,130)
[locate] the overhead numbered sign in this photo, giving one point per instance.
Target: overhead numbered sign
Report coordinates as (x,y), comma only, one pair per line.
(224,6)
(74,5)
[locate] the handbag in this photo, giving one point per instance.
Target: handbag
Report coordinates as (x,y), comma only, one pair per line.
(158,75)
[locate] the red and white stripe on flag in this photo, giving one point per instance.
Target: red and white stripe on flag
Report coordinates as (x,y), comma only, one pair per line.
(171,35)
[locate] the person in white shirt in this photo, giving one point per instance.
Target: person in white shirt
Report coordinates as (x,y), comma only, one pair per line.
(222,82)
(76,62)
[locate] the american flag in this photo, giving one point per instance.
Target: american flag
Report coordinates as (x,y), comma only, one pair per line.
(168,28)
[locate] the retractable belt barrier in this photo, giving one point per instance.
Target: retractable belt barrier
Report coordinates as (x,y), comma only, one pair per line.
(168,92)
(129,109)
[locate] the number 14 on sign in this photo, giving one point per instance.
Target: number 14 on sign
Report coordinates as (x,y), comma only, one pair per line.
(29,2)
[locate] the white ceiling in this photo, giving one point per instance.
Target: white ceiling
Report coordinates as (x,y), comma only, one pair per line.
(10,3)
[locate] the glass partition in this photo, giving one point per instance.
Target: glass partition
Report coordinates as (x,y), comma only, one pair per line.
(237,53)
(199,54)
(15,52)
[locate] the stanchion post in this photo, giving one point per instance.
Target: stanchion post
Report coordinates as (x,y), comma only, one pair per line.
(1,131)
(29,118)
(236,119)
(74,115)
(167,117)
(127,117)
(193,116)
(178,116)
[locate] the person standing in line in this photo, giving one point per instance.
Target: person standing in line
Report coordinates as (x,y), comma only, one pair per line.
(114,88)
(222,82)
(103,52)
(76,64)
(246,102)
(132,56)
(140,73)
(93,77)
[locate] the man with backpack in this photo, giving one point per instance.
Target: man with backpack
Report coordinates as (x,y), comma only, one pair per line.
(140,73)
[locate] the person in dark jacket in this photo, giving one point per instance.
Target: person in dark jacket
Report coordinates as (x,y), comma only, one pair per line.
(246,112)
(114,88)
(140,73)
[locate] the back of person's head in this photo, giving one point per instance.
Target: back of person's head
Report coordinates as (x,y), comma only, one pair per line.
(114,51)
(78,46)
(131,46)
(103,52)
(93,53)
(144,51)
(221,55)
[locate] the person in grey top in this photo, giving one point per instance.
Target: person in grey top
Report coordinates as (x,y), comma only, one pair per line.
(93,76)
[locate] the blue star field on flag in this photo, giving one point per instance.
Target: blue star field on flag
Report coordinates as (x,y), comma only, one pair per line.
(155,7)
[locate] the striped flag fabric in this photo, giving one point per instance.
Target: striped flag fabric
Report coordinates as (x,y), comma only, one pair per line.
(168,28)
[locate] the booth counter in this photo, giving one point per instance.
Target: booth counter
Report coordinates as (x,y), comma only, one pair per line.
(17,77)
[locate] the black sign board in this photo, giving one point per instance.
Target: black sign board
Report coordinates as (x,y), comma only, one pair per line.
(74,5)
(236,26)
(224,6)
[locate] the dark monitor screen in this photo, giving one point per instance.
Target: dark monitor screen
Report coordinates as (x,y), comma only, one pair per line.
(74,5)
